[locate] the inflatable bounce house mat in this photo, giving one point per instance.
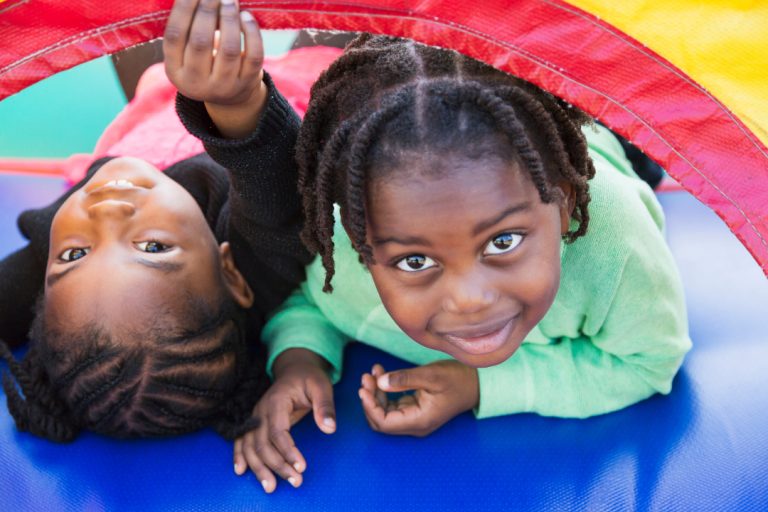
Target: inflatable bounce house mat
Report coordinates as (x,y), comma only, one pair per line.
(704,447)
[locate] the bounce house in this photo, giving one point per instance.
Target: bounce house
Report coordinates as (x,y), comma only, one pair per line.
(685,81)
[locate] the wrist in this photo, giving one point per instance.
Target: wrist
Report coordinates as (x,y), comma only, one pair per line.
(297,359)
(239,119)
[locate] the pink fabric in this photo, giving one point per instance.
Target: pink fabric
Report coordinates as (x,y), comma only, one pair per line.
(149,128)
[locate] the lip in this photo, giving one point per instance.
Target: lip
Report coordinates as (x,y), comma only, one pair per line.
(117,183)
(113,191)
(483,338)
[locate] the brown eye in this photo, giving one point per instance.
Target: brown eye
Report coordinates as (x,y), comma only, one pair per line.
(415,263)
(503,243)
(152,246)
(74,254)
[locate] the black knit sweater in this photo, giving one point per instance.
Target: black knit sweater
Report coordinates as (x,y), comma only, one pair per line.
(247,190)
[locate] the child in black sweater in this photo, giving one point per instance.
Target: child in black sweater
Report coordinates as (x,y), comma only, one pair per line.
(146,291)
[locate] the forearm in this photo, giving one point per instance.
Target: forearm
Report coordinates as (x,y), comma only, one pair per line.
(263,174)
(299,324)
(571,378)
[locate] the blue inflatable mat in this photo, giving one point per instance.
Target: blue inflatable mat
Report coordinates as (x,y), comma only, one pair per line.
(704,447)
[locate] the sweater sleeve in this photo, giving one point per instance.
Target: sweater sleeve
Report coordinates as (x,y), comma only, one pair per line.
(635,353)
(21,281)
(265,206)
(299,323)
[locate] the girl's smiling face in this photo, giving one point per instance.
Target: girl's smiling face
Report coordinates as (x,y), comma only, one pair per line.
(467,256)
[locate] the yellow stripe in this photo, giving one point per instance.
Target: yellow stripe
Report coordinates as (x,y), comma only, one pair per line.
(721,44)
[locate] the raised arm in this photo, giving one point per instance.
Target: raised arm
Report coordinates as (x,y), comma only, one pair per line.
(232,106)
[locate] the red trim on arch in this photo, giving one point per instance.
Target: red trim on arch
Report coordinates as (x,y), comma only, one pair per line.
(557,46)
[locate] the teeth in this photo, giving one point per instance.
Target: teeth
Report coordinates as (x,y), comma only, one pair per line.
(120,183)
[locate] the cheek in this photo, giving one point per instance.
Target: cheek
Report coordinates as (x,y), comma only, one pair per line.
(409,307)
(537,282)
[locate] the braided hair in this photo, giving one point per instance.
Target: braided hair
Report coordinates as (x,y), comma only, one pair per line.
(183,380)
(388,98)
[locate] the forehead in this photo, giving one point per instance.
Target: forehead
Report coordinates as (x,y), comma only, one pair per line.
(444,189)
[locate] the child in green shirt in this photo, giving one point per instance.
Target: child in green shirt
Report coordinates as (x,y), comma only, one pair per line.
(464,196)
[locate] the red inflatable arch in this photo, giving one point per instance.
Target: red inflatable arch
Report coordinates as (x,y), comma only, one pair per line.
(553,44)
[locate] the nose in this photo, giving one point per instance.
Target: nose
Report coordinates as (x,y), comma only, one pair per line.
(469,293)
(111,210)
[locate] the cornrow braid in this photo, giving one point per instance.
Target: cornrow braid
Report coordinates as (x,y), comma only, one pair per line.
(386,96)
(206,375)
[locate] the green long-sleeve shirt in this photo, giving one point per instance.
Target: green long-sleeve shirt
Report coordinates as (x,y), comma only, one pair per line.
(615,334)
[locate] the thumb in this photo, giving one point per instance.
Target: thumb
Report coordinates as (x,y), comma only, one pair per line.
(420,377)
(321,394)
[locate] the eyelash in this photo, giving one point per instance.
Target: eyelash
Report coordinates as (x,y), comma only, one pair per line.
(85,250)
(516,240)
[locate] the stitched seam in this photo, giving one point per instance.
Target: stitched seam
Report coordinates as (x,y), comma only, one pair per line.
(410,15)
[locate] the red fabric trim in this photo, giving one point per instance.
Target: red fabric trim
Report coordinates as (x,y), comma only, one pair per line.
(562,49)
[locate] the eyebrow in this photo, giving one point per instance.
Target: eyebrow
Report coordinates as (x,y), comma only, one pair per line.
(166,267)
(479,228)
(483,225)
(409,240)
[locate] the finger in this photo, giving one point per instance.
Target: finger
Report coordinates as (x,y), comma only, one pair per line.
(253,58)
(176,32)
(240,464)
(278,428)
(368,381)
(403,417)
(226,64)
(403,402)
(320,393)
(198,53)
(262,472)
(374,412)
(283,441)
(380,394)
(265,453)
(420,377)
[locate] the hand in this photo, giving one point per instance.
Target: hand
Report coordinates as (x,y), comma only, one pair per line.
(218,72)
(301,385)
(442,390)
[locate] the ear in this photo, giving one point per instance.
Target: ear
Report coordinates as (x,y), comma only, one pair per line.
(566,206)
(234,281)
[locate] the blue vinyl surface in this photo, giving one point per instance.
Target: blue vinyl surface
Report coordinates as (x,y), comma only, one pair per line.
(704,447)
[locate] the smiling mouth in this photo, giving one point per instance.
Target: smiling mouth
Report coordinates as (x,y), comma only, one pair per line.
(481,339)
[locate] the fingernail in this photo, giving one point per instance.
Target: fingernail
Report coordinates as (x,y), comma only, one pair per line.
(237,468)
(246,16)
(329,422)
(227,2)
(292,481)
(265,485)
(383,381)
(297,466)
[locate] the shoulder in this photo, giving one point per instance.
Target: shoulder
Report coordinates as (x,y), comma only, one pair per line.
(353,288)
(625,235)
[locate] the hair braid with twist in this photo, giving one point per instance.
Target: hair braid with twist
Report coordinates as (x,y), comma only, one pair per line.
(186,379)
(385,96)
